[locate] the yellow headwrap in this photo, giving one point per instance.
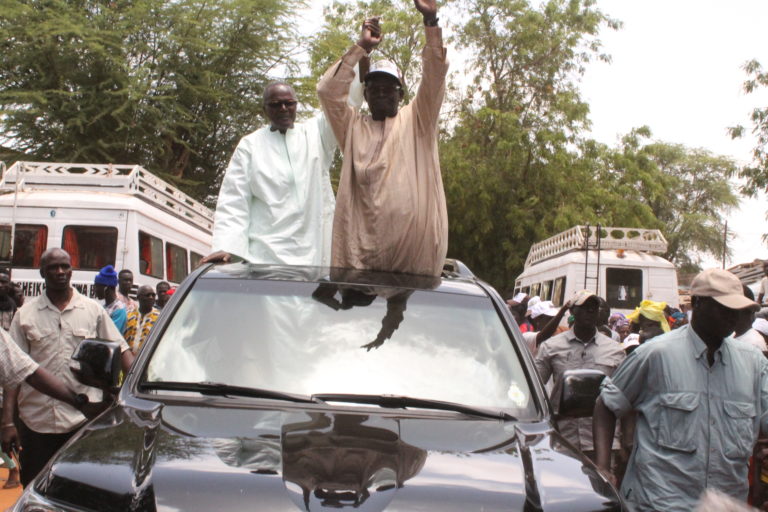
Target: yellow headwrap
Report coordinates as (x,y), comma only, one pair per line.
(652,311)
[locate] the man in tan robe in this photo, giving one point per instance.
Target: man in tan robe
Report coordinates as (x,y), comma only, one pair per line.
(390,207)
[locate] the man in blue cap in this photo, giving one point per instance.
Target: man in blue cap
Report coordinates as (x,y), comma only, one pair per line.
(105,288)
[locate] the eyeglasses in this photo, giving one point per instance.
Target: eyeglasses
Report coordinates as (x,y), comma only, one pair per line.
(282,103)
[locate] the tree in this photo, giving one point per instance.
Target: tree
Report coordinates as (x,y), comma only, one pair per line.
(687,191)
(168,85)
(515,166)
(756,174)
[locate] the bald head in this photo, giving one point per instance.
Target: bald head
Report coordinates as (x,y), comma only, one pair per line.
(53,253)
(146,297)
(56,269)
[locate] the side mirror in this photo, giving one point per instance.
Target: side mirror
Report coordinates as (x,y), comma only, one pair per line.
(96,363)
(580,391)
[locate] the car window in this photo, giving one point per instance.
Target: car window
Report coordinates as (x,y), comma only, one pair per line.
(276,335)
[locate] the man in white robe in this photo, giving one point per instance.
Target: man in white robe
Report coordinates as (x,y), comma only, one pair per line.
(276,204)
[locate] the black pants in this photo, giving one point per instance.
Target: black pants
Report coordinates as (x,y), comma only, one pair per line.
(36,450)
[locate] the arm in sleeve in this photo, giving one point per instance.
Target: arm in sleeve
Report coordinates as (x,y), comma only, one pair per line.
(333,90)
(543,363)
(15,365)
(625,388)
(429,97)
(355,100)
(232,219)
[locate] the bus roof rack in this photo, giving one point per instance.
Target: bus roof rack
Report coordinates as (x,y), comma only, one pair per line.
(579,238)
(126,179)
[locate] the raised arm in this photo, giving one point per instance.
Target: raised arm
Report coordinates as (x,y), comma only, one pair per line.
(429,97)
(333,88)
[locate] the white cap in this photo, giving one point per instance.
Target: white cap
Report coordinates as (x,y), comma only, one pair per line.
(545,307)
(631,341)
(387,67)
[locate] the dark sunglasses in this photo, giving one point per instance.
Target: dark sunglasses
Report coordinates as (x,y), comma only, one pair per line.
(282,103)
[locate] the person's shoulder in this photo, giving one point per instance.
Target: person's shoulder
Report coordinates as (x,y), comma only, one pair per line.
(92,306)
(558,339)
(609,343)
(743,348)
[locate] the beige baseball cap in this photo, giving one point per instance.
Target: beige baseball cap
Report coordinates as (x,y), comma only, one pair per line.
(722,286)
(581,296)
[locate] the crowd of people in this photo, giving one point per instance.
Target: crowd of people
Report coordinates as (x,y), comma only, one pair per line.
(689,386)
(42,417)
(691,398)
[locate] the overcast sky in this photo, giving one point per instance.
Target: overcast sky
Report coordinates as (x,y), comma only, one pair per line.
(677,67)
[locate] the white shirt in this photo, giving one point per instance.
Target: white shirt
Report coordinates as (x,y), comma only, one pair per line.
(276,203)
(764,288)
(50,336)
(753,338)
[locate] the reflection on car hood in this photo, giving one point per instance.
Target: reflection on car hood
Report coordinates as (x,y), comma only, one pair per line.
(147,457)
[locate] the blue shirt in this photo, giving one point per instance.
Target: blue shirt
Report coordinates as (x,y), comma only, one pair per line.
(696,424)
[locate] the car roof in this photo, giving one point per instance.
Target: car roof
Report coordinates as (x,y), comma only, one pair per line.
(450,282)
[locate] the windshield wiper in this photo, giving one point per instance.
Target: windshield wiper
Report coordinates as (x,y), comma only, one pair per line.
(401,402)
(221,389)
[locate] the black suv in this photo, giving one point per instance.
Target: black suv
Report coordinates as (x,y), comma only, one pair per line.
(287,388)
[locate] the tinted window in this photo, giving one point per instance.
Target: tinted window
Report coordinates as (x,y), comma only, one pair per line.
(90,247)
(432,345)
(535,287)
(176,262)
(624,287)
(558,293)
(150,255)
(30,241)
(546,290)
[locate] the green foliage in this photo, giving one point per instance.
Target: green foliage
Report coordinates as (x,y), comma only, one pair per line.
(169,85)
(757,173)
(686,191)
(512,171)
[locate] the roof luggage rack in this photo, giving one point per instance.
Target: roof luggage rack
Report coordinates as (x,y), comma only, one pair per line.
(579,238)
(126,179)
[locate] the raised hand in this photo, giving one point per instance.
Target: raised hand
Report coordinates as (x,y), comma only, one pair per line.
(427,8)
(370,37)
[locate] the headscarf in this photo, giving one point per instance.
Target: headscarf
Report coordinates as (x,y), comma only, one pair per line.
(652,311)
(617,320)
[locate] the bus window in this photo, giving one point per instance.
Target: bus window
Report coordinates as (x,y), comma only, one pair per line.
(558,292)
(176,263)
(30,241)
(150,255)
(546,290)
(624,287)
(525,290)
(90,247)
(535,289)
(194,260)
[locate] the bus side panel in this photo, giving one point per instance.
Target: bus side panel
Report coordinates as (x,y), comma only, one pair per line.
(664,286)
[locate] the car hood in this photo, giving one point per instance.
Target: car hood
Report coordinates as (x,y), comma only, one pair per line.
(149,456)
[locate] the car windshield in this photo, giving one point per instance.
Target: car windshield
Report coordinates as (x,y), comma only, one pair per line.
(307,339)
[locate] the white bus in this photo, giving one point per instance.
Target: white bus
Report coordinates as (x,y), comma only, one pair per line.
(100,214)
(619,265)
